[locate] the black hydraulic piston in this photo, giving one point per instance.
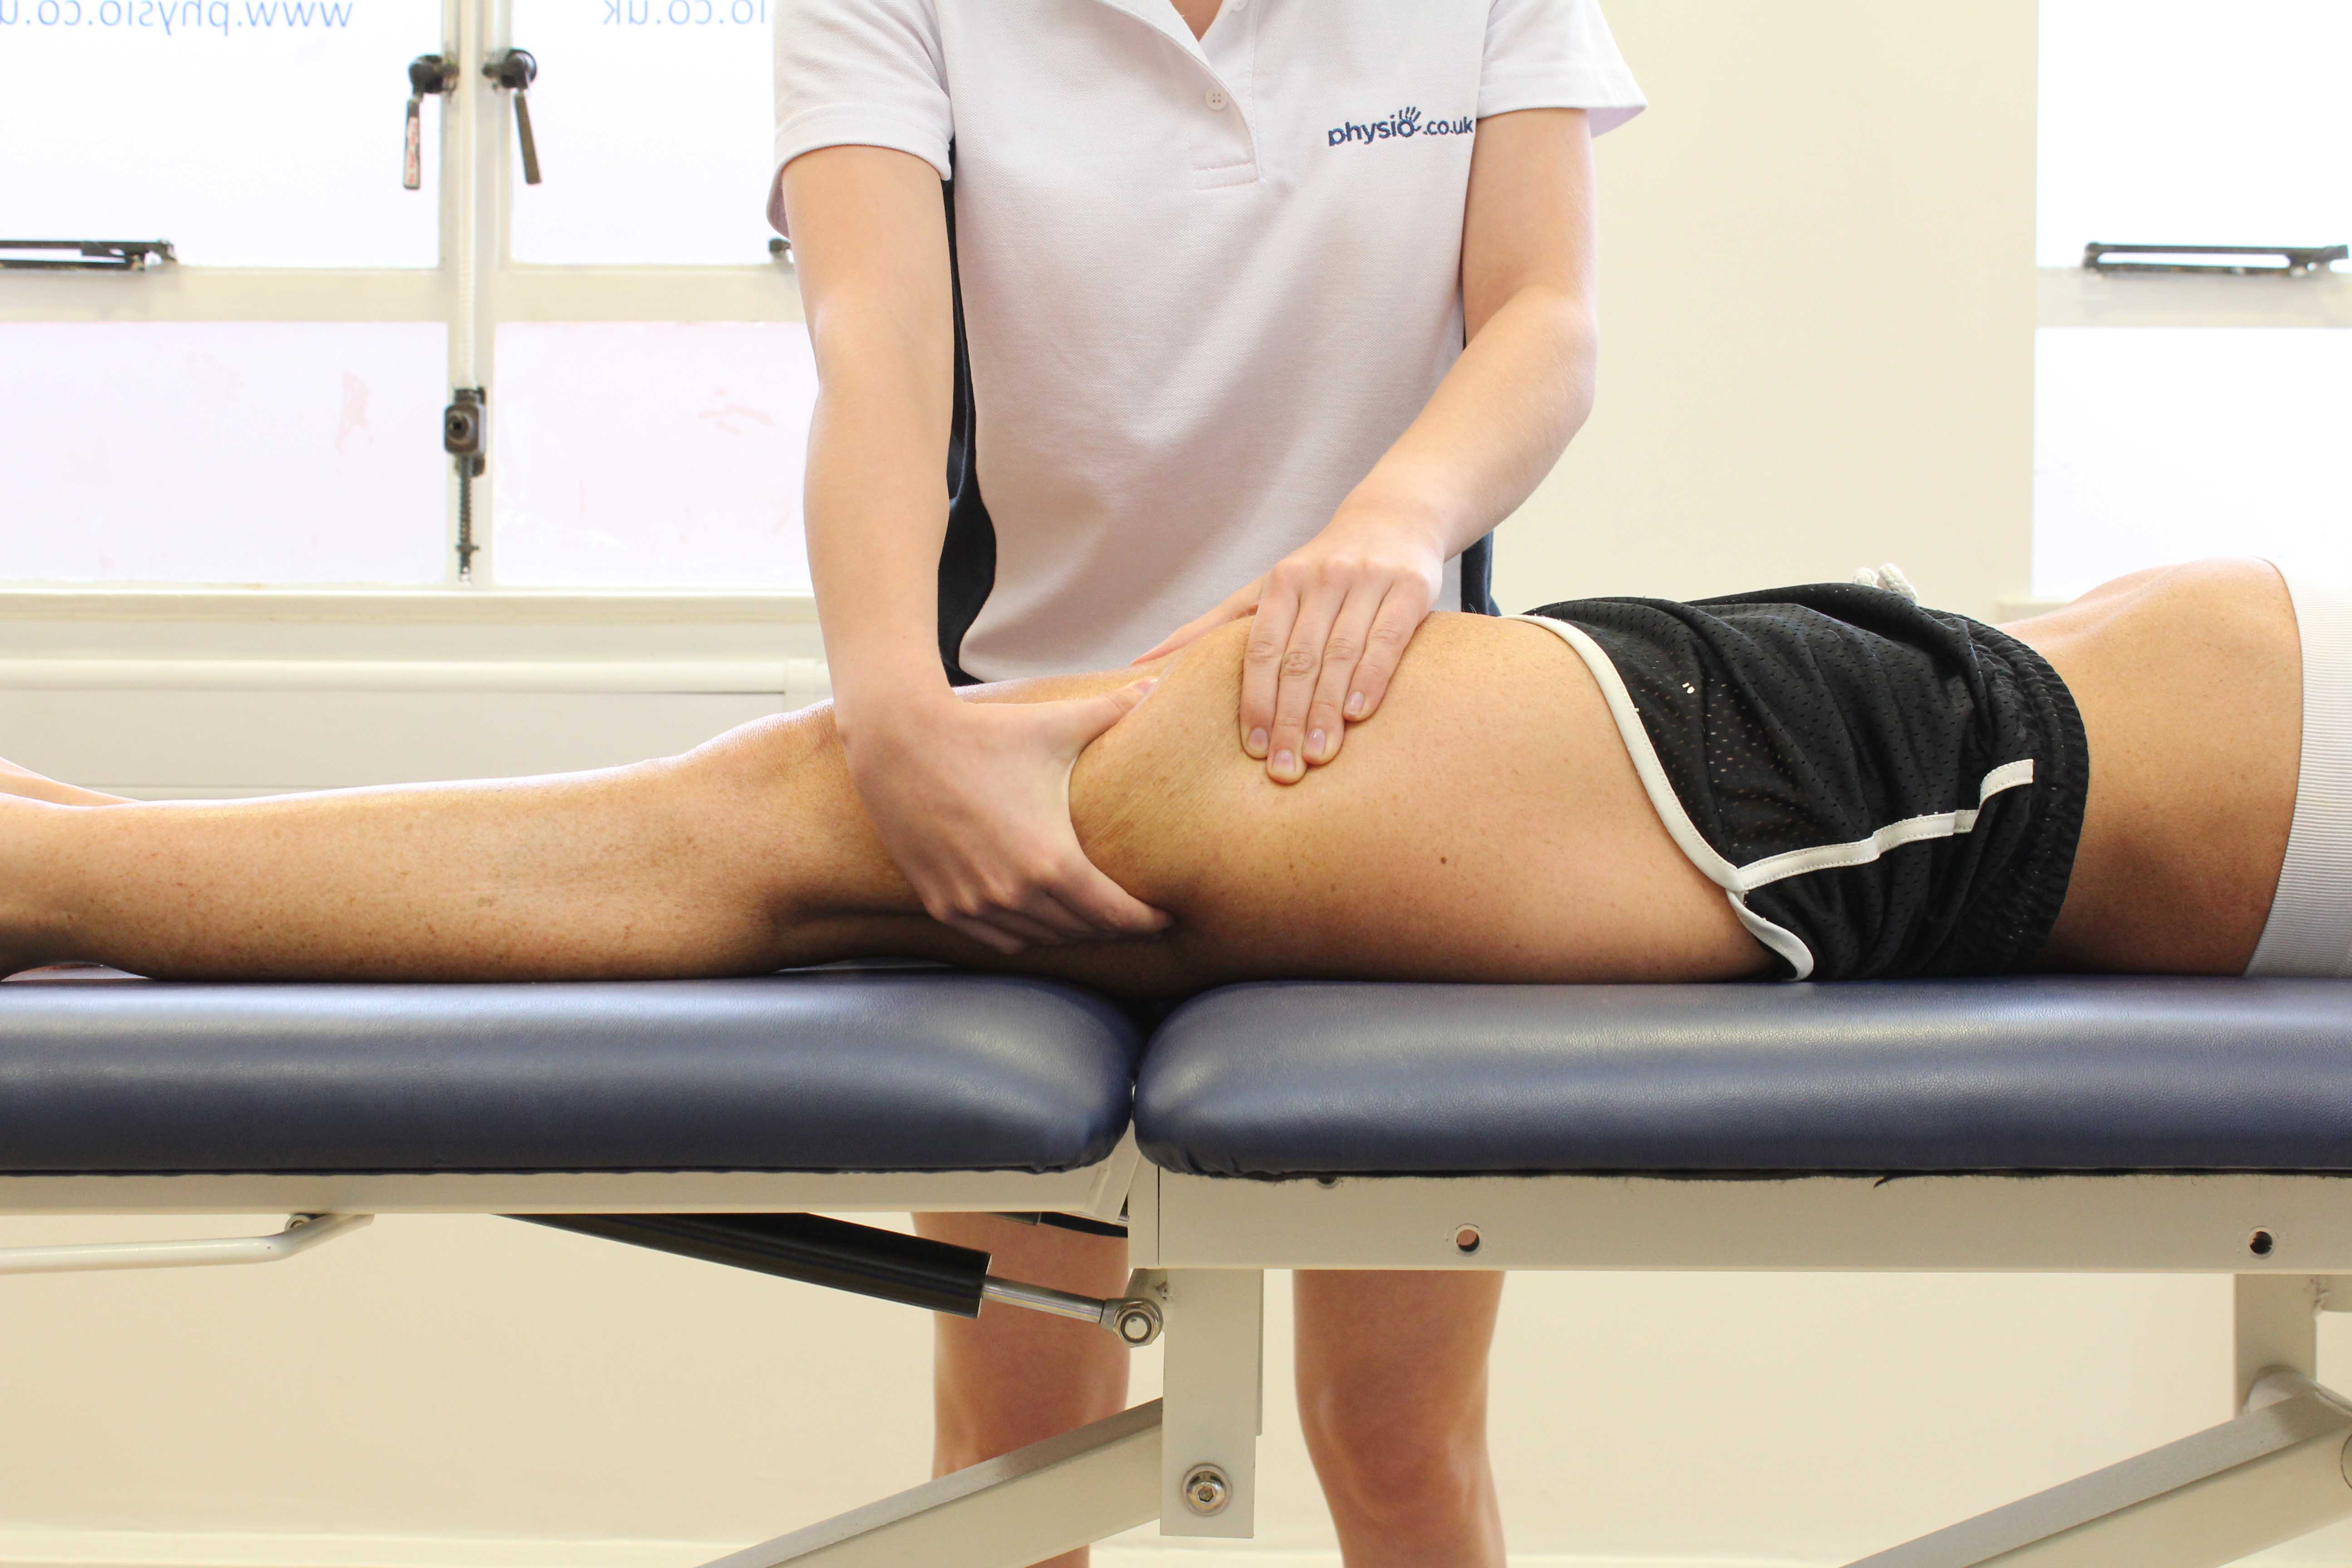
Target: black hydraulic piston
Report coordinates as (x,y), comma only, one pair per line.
(910,1269)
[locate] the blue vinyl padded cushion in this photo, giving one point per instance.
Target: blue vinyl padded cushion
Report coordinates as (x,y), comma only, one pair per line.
(2037,1073)
(906,1070)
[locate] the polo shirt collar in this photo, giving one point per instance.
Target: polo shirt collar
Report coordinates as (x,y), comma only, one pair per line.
(1161,17)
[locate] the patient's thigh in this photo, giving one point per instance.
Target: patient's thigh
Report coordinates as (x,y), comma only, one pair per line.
(1486,823)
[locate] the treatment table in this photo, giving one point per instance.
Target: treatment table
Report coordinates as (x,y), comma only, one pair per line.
(2051,1124)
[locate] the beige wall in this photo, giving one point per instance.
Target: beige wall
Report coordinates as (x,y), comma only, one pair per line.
(1819,316)
(1816,310)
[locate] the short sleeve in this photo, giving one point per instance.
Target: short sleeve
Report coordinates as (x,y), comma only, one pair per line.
(859,73)
(1556,54)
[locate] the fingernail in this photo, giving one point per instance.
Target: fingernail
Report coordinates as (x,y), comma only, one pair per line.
(1284,763)
(1355,705)
(1143,688)
(1256,747)
(1314,742)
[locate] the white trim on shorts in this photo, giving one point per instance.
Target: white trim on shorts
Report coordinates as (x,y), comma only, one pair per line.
(2310,927)
(1739,882)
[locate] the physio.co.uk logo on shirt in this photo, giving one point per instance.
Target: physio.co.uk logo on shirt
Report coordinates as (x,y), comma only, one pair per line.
(1404,122)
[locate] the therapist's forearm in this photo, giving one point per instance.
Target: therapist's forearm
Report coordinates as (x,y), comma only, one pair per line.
(875,285)
(971,804)
(1498,421)
(876,513)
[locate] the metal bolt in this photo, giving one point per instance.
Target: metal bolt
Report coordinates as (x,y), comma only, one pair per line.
(1206,1491)
(1135,1322)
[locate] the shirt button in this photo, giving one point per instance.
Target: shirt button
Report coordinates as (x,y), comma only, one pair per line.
(1216,97)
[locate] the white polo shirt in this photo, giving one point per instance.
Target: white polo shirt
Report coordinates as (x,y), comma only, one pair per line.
(1205,283)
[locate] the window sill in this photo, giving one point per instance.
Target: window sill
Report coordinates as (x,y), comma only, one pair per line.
(180,292)
(428,640)
(2073,297)
(799,680)
(435,606)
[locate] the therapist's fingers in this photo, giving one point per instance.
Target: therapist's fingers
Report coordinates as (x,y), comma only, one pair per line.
(1400,615)
(1016,877)
(1049,905)
(1343,652)
(1066,890)
(1277,609)
(1008,917)
(1003,931)
(1236,604)
(1302,662)
(1102,908)
(1079,903)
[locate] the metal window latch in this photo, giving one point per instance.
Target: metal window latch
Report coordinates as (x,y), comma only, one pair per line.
(515,70)
(428,75)
(87,254)
(2276,260)
(463,437)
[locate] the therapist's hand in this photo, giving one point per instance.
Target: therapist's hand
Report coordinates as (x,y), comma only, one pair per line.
(1330,624)
(972,802)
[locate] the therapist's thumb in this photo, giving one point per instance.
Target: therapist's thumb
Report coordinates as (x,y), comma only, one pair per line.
(1084,719)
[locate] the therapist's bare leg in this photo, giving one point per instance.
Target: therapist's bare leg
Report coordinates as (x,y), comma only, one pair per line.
(1393,1397)
(1008,1378)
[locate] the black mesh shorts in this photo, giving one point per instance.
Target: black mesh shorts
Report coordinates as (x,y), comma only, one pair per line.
(1880,789)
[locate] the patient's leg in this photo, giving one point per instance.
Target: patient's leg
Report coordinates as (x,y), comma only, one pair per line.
(1486,823)
(25,781)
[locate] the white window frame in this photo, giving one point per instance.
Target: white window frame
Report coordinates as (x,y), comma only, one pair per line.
(2080,297)
(477,286)
(424,683)
(467,638)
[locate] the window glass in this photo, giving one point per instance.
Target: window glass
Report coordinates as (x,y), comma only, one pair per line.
(655,120)
(651,454)
(2155,445)
(247,132)
(221,452)
(2182,122)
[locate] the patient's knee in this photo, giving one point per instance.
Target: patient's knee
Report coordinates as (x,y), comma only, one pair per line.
(1140,795)
(765,750)
(776,795)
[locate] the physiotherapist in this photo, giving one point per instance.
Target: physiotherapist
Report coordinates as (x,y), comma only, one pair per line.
(1265,308)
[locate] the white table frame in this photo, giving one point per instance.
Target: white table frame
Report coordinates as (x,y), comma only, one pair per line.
(2275,1469)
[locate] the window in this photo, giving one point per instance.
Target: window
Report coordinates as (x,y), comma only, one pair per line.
(186,150)
(634,452)
(261,452)
(664,113)
(2181,414)
(266,408)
